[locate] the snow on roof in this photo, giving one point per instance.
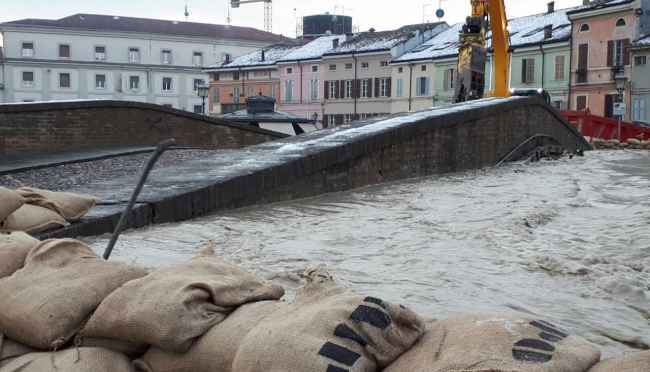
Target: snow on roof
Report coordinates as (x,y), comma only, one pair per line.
(366,42)
(271,55)
(597,4)
(275,116)
(644,41)
(313,50)
(525,31)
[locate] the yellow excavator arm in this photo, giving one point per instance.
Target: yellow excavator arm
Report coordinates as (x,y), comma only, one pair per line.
(472,56)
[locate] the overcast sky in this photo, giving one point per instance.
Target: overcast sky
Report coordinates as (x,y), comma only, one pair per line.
(380,14)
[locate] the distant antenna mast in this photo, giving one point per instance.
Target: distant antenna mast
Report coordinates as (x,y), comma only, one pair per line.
(268,11)
(228,18)
(187,14)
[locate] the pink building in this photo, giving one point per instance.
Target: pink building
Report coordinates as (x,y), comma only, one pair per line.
(302,79)
(602,35)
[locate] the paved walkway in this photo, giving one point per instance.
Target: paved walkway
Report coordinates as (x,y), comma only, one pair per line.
(19,163)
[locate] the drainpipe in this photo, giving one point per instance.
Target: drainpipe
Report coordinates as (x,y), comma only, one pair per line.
(355,86)
(568,106)
(543,64)
(243,87)
(410,84)
(299,65)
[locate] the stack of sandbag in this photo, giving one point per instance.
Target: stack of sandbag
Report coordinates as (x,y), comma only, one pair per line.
(323,329)
(14,248)
(62,282)
(497,344)
(9,203)
(633,362)
(69,206)
(71,360)
(10,350)
(172,307)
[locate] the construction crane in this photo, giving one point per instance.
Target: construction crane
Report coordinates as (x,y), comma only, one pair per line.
(472,56)
(268,11)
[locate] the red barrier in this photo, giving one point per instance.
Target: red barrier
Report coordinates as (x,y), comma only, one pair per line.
(600,127)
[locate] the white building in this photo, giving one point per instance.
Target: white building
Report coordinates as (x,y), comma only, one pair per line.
(88,56)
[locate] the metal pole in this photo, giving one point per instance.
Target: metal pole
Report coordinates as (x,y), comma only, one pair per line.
(203,105)
(620,118)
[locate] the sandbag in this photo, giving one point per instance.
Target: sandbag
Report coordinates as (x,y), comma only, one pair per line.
(62,283)
(633,141)
(14,248)
(216,350)
(497,344)
(71,360)
(10,201)
(33,219)
(633,362)
(70,206)
(10,350)
(130,349)
(173,306)
(327,329)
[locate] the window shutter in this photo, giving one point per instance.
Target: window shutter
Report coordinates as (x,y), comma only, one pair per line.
(610,53)
(341,88)
(389,87)
(581,103)
(428,84)
(326,121)
(523,70)
(327,90)
(626,52)
(358,88)
(376,88)
(446,82)
(339,119)
(337,91)
(583,56)
(417,86)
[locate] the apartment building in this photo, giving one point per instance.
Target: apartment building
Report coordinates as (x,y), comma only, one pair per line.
(640,79)
(358,72)
(86,56)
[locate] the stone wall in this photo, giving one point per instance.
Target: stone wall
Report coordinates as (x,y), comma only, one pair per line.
(76,125)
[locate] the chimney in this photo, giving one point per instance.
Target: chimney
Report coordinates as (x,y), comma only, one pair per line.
(551,7)
(227,58)
(548,31)
(262,55)
(335,43)
(585,2)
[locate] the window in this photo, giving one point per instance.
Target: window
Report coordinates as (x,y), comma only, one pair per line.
(618,52)
(620,23)
(331,119)
(348,66)
(100,53)
(584,27)
(167,85)
(28,50)
(235,75)
(235,94)
(288,91)
(640,61)
(251,92)
(450,79)
(314,68)
(216,95)
(333,90)
(166,57)
(288,70)
(638,109)
(198,109)
(383,87)
(365,84)
(332,67)
(196,83)
(100,81)
(400,87)
(134,55)
(559,68)
(274,91)
(365,65)
(528,70)
(64,80)
(557,105)
(64,51)
(313,89)
(383,64)
(581,102)
(28,79)
(348,88)
(423,68)
(348,118)
(422,86)
(583,63)
(134,82)
(198,59)
(400,70)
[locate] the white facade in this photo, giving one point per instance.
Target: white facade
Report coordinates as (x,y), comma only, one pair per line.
(133,66)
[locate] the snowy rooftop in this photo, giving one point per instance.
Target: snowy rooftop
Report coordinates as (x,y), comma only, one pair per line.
(244,116)
(597,4)
(644,41)
(525,31)
(313,50)
(366,42)
(271,55)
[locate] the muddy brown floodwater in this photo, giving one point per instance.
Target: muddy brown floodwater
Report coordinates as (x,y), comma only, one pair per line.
(566,241)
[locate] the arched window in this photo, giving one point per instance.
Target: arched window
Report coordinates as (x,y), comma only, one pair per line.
(584,28)
(621,22)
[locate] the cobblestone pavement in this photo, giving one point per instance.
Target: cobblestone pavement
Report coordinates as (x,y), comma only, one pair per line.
(68,176)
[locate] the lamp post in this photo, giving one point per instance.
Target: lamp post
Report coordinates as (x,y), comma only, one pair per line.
(620,80)
(203,91)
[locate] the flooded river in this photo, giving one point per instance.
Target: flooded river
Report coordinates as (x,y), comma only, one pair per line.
(567,241)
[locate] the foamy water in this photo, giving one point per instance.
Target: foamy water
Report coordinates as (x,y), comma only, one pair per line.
(567,241)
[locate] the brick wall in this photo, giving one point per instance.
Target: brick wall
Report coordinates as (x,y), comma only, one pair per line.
(54,126)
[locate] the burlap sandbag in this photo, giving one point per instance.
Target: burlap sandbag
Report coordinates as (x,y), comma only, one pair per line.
(70,206)
(497,344)
(10,350)
(173,306)
(130,349)
(62,283)
(633,362)
(327,329)
(71,360)
(33,219)
(10,201)
(215,351)
(14,248)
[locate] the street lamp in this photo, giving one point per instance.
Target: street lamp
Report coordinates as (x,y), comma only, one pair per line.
(620,80)
(203,90)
